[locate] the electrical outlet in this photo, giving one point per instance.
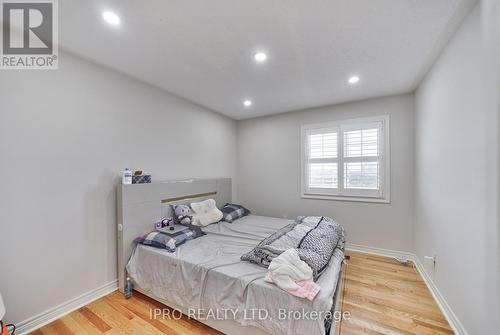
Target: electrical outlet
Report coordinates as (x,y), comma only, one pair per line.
(431,259)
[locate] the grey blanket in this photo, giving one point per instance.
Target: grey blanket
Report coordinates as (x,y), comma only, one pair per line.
(314,237)
(207,273)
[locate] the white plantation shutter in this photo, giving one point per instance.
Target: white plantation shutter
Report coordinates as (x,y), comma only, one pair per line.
(323,175)
(322,152)
(362,155)
(346,159)
(323,145)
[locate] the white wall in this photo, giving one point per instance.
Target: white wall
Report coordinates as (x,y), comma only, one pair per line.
(64,137)
(456,178)
(491,70)
(268,172)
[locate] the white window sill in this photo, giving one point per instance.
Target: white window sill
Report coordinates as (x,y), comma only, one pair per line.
(345,198)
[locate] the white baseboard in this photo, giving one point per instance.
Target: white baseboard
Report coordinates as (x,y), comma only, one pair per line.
(67,307)
(379,251)
(445,308)
(448,313)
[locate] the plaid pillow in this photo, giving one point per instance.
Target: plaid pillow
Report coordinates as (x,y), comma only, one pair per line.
(233,212)
(169,241)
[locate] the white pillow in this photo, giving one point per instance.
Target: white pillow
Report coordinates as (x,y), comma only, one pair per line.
(205,212)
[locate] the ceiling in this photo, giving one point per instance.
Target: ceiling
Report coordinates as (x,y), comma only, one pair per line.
(203,50)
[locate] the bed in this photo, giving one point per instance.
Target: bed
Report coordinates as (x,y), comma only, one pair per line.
(205,277)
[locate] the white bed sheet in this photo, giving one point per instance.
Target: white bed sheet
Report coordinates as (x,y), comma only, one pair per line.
(207,273)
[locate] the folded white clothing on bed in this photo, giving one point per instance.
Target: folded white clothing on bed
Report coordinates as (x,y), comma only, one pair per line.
(293,275)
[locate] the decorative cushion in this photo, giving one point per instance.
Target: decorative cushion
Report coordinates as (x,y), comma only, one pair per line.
(169,241)
(233,212)
(206,212)
(183,214)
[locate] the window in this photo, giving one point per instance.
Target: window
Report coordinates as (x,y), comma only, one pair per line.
(347,160)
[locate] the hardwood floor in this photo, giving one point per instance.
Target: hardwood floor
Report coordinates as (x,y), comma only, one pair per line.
(114,315)
(386,297)
(381,295)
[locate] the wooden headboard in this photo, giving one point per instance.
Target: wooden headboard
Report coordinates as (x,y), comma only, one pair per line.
(140,205)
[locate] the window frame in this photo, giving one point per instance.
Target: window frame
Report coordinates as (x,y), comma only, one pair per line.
(340,193)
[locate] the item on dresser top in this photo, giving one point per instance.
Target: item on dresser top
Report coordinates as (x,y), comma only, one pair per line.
(314,237)
(205,212)
(183,214)
(172,239)
(142,179)
(233,212)
(292,275)
(127,177)
(138,173)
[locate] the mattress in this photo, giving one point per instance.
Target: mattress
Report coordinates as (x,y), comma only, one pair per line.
(207,276)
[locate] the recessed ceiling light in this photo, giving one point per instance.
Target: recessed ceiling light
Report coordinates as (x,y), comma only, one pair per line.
(247,103)
(353,79)
(111,18)
(260,57)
